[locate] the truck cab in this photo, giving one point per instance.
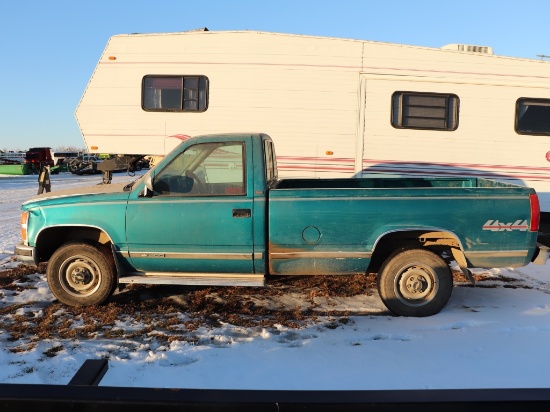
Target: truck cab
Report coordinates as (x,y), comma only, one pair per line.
(205,209)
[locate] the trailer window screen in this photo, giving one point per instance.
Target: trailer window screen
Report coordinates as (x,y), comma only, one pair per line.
(533,116)
(435,111)
(175,93)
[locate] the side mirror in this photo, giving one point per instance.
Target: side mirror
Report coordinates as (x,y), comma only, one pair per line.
(148,189)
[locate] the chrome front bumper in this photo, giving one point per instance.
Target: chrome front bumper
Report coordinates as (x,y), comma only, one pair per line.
(25,254)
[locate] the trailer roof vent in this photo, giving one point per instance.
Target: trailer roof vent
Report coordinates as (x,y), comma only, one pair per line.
(469,48)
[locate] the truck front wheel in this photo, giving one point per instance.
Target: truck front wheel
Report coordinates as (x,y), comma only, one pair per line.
(415,282)
(81,274)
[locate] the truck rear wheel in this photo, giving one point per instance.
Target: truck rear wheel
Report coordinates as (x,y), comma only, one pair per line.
(81,274)
(415,282)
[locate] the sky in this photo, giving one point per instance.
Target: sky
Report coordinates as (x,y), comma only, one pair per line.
(49,49)
(495,335)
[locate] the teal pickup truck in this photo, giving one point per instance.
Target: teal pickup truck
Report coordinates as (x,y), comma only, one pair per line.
(214,212)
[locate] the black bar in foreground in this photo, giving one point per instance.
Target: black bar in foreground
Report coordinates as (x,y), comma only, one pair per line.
(59,398)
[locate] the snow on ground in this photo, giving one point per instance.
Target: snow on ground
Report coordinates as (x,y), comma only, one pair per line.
(486,337)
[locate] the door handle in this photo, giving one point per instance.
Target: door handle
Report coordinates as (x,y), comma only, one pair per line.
(241,213)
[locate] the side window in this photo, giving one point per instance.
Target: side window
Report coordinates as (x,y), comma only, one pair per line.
(435,111)
(211,169)
(533,116)
(270,161)
(174,93)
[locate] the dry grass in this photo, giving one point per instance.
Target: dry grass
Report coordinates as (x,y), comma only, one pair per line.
(176,313)
(169,313)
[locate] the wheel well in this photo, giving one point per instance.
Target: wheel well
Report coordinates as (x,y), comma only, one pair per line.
(49,240)
(435,241)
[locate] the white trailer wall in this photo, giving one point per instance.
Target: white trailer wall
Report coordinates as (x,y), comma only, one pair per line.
(326,103)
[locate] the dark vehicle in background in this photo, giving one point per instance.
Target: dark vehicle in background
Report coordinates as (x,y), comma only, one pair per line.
(92,164)
(62,160)
(86,164)
(38,157)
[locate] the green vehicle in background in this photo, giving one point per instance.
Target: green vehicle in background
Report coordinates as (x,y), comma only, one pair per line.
(214,212)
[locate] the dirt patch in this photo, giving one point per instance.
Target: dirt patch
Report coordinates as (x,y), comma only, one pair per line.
(11,278)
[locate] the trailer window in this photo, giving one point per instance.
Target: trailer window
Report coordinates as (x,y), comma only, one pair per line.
(533,116)
(435,111)
(174,93)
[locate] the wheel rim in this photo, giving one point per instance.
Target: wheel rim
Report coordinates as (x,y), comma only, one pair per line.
(415,285)
(79,276)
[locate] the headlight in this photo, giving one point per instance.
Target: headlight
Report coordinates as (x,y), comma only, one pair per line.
(24,220)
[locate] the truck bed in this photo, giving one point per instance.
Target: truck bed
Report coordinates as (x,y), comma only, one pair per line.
(312,220)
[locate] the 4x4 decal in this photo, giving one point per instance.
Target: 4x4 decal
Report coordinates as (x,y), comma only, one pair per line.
(496,226)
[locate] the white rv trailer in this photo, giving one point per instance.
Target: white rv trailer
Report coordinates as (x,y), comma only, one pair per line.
(334,107)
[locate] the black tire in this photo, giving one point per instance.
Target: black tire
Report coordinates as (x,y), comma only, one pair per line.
(73,165)
(415,282)
(81,274)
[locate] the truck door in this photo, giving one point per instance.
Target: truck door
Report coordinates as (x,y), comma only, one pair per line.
(200,216)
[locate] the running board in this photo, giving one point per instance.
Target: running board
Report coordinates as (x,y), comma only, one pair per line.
(197,279)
